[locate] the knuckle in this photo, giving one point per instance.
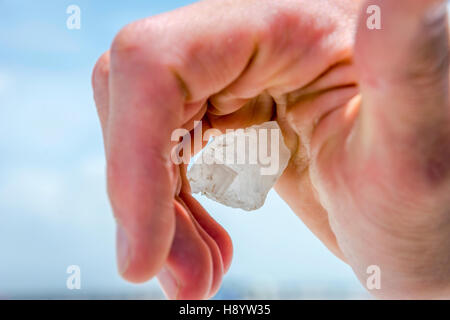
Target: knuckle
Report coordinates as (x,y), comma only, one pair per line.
(126,39)
(135,38)
(285,18)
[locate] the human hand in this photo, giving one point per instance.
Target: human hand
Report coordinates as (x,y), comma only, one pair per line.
(234,64)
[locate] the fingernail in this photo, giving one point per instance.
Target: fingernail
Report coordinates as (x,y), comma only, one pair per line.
(168,283)
(123,249)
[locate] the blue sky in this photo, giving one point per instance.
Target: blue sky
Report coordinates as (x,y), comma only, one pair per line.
(53,206)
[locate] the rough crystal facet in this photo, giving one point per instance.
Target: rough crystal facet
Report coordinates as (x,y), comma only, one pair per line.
(223,174)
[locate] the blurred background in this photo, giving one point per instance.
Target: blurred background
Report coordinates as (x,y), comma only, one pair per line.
(53,206)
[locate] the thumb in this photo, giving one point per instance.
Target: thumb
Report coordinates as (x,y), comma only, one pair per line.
(401,55)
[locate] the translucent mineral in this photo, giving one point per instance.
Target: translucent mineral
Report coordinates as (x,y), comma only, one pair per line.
(239,168)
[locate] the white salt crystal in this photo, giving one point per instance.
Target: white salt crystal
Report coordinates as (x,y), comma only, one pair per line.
(239,168)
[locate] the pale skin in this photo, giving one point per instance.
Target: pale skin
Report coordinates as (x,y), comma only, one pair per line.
(365,113)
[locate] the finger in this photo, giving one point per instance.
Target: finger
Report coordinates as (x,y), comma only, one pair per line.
(310,109)
(214,230)
(403,71)
(338,76)
(188,271)
(100,85)
(141,180)
(149,91)
(207,223)
(217,263)
(126,241)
